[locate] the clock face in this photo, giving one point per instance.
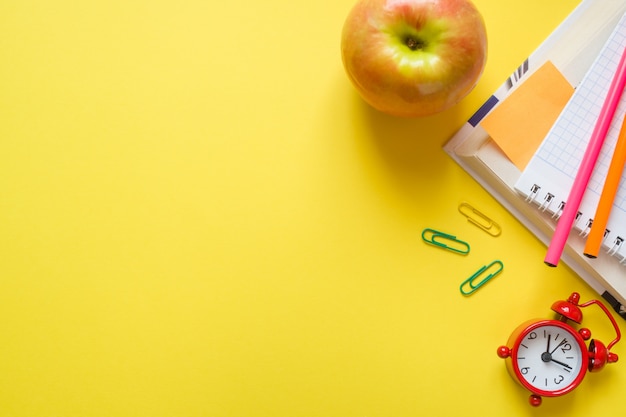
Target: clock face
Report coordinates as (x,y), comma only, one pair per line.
(549,358)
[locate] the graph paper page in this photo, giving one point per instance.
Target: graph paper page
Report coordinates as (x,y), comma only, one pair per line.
(548,178)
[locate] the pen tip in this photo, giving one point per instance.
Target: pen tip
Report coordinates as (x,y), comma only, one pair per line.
(550,264)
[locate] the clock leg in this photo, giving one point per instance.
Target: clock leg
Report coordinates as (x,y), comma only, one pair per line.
(534,400)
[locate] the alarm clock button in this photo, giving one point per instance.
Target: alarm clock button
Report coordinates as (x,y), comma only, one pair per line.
(585,333)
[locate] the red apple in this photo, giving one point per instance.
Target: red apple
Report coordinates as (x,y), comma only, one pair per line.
(414,58)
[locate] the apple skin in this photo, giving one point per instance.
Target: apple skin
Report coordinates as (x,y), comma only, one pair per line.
(414,58)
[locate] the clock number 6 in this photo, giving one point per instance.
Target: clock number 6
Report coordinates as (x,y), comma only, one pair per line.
(525,370)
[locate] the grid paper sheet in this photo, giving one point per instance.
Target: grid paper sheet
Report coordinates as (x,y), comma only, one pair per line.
(556,162)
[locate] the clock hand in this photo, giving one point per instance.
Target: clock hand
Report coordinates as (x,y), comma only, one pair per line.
(562,364)
(558,346)
(548,348)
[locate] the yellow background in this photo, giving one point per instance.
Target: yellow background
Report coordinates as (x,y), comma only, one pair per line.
(200,217)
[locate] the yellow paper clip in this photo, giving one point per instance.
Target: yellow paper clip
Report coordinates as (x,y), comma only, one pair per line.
(445,241)
(485,273)
(477,218)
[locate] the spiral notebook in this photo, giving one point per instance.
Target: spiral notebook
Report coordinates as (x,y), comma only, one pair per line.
(548,177)
(574,51)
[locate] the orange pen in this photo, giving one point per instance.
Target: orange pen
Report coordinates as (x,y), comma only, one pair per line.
(611,184)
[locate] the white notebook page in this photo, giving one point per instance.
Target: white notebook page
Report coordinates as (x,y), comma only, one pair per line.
(556,162)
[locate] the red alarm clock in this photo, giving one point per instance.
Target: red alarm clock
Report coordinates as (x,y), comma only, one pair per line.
(550,357)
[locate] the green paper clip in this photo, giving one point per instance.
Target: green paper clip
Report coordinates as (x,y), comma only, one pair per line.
(445,241)
(469,285)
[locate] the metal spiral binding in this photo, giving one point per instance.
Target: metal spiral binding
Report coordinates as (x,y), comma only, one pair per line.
(549,199)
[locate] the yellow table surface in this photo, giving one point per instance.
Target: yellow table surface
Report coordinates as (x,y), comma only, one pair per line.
(200,217)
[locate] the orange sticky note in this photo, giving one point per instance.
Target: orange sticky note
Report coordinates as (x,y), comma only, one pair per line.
(521,122)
